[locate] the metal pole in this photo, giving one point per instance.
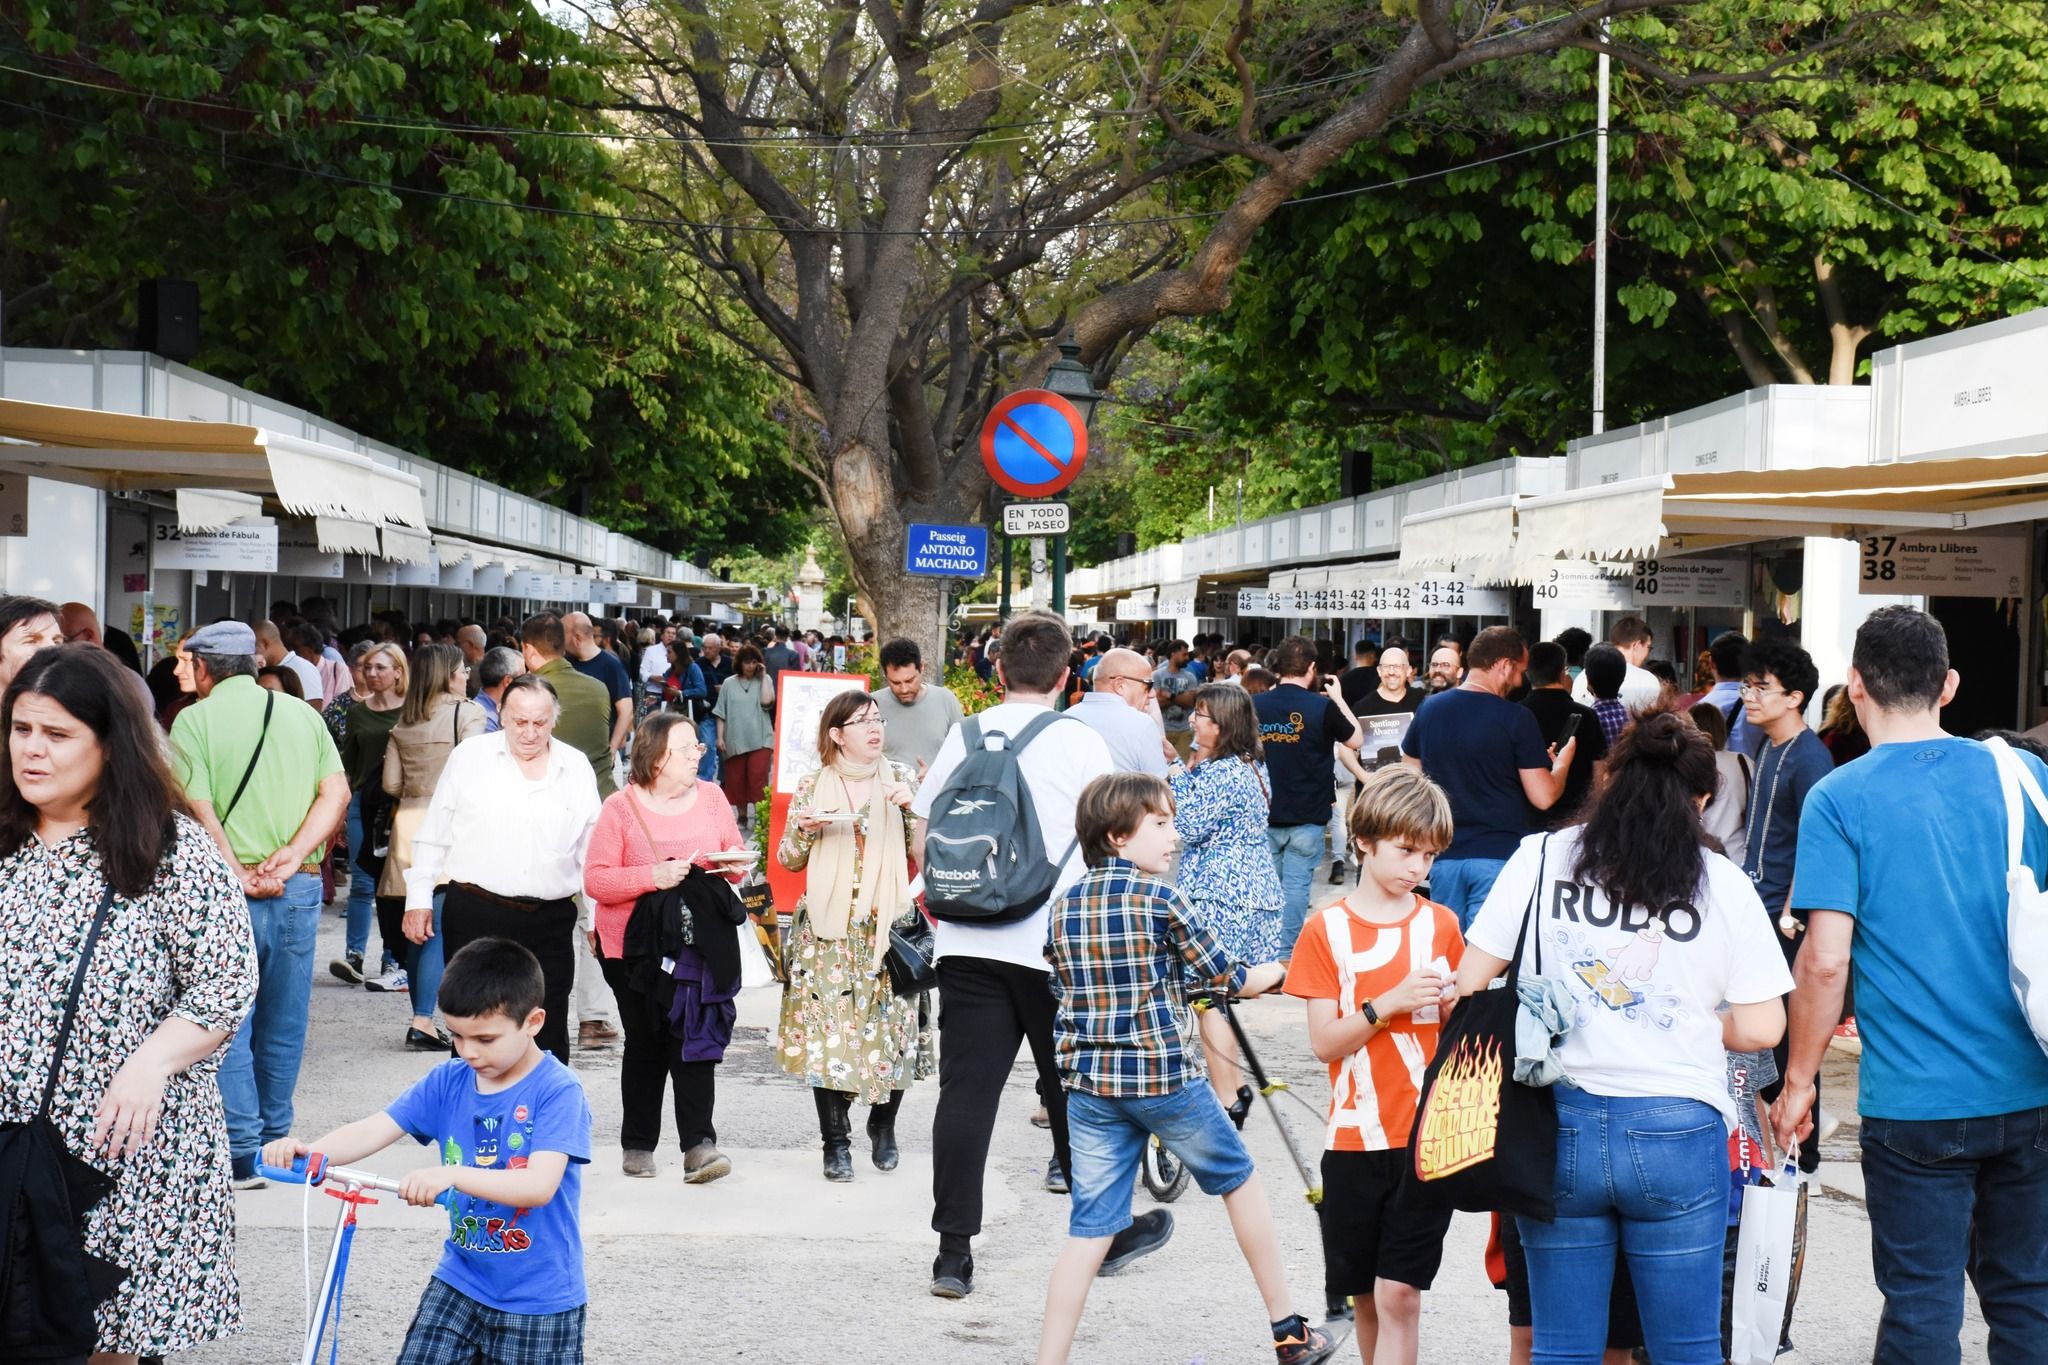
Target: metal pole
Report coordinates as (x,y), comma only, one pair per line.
(1003,610)
(1059,576)
(1600,253)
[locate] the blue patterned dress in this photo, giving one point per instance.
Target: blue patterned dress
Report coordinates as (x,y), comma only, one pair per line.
(1220,809)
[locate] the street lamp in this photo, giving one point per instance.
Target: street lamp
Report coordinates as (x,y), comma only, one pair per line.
(1070,379)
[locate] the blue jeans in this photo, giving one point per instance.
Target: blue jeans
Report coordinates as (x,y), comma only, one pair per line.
(1461,885)
(707,735)
(261,1068)
(1953,1195)
(1652,1176)
(424,964)
(1297,853)
(362,887)
(1106,1136)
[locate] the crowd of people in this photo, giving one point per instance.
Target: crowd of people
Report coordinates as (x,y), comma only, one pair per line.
(547,822)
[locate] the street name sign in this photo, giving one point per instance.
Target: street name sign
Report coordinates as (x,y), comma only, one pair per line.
(1036,519)
(946,551)
(1034,443)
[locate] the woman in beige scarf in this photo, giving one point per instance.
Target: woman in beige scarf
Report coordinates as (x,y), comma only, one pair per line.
(843,1030)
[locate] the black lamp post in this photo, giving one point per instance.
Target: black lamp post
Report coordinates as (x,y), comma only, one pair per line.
(1070,379)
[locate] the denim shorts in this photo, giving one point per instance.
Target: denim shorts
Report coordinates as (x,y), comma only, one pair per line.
(1107,1136)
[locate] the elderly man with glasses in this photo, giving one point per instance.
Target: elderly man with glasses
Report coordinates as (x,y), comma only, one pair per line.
(1117,709)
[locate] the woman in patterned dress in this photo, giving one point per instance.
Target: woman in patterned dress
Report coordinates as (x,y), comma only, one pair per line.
(1221,801)
(843,1030)
(172,975)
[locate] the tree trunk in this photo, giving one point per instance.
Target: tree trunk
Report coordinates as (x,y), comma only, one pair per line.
(906,606)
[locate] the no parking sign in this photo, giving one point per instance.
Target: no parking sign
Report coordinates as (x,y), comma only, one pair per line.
(1034,443)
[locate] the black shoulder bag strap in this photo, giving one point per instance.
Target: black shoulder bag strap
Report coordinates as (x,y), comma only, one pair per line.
(1532,920)
(92,938)
(250,771)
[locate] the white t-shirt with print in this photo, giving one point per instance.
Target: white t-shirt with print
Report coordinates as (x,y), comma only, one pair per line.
(1065,757)
(1647,986)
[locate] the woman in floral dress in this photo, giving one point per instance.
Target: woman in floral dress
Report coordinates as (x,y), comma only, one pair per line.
(170,978)
(843,1030)
(1220,808)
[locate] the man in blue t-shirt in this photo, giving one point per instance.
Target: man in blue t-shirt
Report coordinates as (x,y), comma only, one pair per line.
(1300,731)
(1902,874)
(1489,757)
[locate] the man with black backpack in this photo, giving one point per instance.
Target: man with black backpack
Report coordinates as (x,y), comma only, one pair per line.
(997,847)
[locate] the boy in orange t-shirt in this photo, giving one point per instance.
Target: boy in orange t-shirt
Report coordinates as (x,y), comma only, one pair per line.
(1378,970)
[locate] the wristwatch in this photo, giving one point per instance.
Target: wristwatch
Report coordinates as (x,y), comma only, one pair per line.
(1372,1016)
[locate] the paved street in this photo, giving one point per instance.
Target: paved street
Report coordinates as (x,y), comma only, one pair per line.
(773,1263)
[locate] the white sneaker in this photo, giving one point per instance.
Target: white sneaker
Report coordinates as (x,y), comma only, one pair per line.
(392,981)
(1824,1126)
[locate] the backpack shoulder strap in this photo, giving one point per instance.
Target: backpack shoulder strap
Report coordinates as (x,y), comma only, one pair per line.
(970,737)
(1038,726)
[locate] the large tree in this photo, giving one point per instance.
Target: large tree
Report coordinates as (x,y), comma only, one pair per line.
(402,219)
(913,198)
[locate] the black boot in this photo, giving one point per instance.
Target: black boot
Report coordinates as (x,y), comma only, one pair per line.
(833,1127)
(882,1131)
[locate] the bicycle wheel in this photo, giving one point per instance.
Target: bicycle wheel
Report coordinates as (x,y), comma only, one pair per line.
(1164,1175)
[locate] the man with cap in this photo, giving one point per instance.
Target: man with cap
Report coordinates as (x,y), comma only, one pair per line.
(267,783)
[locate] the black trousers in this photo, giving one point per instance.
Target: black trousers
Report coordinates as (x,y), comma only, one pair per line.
(986,1008)
(651,1059)
(548,931)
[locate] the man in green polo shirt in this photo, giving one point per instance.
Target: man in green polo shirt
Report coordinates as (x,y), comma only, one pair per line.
(267,783)
(586,726)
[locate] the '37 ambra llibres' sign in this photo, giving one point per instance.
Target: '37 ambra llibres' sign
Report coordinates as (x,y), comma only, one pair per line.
(1944,563)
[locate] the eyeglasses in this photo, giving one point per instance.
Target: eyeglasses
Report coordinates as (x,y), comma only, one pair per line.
(1760,691)
(875,721)
(1116,678)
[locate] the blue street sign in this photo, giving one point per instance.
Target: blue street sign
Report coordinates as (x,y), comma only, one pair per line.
(946,551)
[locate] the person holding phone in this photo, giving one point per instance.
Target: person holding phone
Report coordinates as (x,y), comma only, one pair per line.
(1560,719)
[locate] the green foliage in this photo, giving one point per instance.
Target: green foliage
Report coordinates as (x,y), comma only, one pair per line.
(279,155)
(1447,320)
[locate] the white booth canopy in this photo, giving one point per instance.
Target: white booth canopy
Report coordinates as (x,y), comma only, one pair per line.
(1476,538)
(1633,518)
(209,509)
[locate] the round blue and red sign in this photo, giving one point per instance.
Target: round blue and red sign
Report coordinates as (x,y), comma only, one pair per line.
(1034,443)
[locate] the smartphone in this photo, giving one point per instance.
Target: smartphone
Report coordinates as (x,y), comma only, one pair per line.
(1571,727)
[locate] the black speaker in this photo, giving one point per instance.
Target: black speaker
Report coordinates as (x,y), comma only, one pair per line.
(1126,544)
(1354,474)
(167,318)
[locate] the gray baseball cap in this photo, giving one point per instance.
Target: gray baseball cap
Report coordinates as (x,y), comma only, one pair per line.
(222,637)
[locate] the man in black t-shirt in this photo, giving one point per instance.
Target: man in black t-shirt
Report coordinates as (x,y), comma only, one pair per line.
(1300,729)
(1550,698)
(1363,675)
(1384,711)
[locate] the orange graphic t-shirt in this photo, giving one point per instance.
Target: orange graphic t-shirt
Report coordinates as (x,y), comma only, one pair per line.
(1340,957)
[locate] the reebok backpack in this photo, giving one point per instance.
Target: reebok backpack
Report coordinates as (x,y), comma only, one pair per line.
(984,858)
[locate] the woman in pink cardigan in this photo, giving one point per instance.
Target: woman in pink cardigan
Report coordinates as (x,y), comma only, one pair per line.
(647,838)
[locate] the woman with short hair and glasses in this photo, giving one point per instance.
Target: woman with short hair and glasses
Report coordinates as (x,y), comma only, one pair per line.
(844,1031)
(1221,800)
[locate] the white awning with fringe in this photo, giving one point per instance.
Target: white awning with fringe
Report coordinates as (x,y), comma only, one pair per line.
(209,509)
(1476,538)
(1616,521)
(341,534)
(404,546)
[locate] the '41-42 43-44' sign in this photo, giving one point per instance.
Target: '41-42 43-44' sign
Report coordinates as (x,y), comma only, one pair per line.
(1429,596)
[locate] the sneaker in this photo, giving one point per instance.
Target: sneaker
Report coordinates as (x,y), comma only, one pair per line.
(1824,1125)
(1148,1232)
(704,1163)
(1847,1039)
(953,1275)
(348,967)
(418,1041)
(1055,1177)
(244,1176)
(1304,1345)
(390,983)
(1337,873)
(639,1165)
(595,1033)
(1040,1118)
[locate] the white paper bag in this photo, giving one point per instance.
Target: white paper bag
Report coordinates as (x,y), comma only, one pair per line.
(2026,906)
(754,968)
(1766,1268)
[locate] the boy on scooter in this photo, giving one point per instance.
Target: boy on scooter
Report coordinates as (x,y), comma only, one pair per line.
(510,1128)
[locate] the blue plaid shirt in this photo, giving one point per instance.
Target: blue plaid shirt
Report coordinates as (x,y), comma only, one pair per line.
(1117,942)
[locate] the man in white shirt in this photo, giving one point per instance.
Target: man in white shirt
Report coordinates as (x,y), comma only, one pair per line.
(1117,711)
(270,646)
(506,832)
(994,978)
(1640,690)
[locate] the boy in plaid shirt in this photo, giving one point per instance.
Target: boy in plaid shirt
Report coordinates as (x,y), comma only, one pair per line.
(1119,942)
